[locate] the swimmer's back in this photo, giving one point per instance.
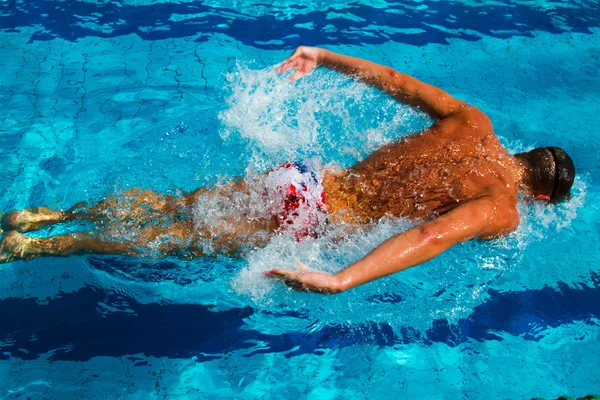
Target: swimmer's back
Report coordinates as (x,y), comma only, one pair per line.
(430,173)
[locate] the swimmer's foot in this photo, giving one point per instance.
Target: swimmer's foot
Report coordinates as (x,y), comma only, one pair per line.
(15,246)
(30,219)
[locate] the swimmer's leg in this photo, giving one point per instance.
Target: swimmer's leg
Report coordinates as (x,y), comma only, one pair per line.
(31,219)
(135,204)
(166,241)
(16,246)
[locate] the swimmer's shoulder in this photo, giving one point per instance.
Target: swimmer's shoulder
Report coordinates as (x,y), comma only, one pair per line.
(468,122)
(475,119)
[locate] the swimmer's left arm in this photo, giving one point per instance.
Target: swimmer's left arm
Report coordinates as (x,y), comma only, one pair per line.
(476,219)
(405,88)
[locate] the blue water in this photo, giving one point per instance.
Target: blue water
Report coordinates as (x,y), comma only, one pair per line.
(99,97)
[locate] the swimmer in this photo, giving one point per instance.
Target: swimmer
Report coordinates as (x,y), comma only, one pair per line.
(455,178)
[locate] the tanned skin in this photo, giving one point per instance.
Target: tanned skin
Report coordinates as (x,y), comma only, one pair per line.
(455,175)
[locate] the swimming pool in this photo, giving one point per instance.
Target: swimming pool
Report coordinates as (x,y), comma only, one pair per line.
(98,97)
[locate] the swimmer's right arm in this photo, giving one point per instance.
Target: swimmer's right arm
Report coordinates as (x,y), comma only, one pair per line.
(481,218)
(433,100)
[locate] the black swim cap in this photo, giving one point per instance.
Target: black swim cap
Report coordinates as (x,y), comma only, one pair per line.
(564,175)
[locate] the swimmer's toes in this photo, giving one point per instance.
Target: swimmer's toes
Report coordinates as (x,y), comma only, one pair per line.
(13,247)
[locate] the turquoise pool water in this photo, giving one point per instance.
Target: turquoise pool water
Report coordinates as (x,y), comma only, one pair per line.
(97,97)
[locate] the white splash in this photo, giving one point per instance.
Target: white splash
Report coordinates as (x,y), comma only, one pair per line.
(331,116)
(248,207)
(337,248)
(324,114)
(538,218)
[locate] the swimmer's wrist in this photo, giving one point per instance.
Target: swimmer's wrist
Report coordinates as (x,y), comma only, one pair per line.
(341,282)
(321,55)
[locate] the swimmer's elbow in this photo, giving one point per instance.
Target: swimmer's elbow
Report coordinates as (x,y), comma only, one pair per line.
(431,236)
(392,81)
(509,222)
(502,223)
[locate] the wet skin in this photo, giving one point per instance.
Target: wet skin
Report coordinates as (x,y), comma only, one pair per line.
(457,160)
(455,176)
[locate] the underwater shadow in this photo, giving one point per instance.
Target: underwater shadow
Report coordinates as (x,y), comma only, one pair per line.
(93,322)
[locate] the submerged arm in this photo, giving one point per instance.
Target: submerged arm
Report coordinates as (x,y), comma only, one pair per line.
(433,100)
(478,218)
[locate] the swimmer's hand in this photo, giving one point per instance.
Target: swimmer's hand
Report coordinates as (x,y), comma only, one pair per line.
(315,282)
(304,60)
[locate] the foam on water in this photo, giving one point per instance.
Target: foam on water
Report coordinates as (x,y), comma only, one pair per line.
(539,220)
(280,121)
(337,119)
(448,287)
(247,207)
(323,114)
(545,88)
(329,253)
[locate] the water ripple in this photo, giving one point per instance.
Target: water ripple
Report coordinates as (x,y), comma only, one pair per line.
(278,25)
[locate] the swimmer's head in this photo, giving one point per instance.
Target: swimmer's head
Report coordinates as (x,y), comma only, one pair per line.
(549,173)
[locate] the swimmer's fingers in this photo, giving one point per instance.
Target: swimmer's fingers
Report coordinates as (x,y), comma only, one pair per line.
(298,65)
(316,282)
(297,75)
(303,267)
(286,65)
(304,60)
(290,278)
(290,62)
